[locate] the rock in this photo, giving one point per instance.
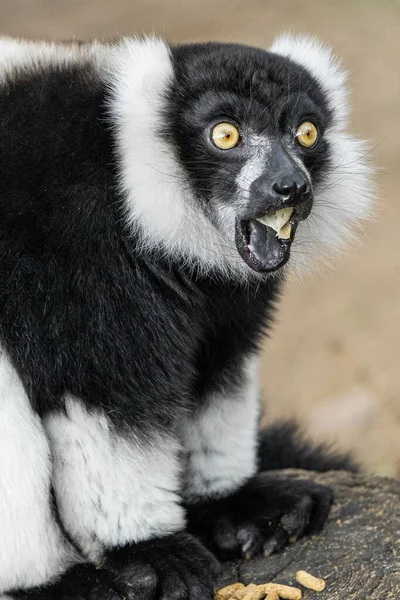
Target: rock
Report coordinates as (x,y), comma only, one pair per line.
(357,553)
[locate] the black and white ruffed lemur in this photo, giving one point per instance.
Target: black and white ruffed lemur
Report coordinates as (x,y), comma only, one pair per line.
(149,194)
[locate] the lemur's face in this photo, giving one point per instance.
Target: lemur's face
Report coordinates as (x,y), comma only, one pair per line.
(235,159)
(249,130)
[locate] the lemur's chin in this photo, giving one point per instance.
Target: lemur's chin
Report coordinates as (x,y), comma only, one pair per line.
(260,247)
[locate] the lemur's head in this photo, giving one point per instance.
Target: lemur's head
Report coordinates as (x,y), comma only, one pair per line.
(235,158)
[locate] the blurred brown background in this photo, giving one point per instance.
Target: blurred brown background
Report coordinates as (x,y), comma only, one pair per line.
(333,360)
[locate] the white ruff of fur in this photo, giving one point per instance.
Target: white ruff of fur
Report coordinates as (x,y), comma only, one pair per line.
(220,441)
(32,549)
(112,490)
(345,199)
(158,198)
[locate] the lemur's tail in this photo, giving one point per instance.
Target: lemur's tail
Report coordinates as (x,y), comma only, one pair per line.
(283,446)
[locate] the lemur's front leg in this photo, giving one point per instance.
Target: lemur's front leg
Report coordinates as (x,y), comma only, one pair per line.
(118,496)
(232,510)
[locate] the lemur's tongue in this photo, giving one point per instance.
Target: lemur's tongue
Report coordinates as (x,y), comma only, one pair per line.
(267,252)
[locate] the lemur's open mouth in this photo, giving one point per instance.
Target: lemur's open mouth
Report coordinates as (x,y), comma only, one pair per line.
(264,242)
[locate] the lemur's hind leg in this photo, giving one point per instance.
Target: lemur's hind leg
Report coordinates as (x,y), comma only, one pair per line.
(282,446)
(36,561)
(32,547)
(229,508)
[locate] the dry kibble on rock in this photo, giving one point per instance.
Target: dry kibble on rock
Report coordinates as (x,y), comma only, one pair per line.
(310,582)
(239,594)
(227,592)
(252,592)
(285,592)
(267,591)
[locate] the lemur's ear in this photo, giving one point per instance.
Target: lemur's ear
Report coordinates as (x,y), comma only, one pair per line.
(310,53)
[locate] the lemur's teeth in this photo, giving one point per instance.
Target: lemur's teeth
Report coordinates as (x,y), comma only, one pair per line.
(279,221)
(285,231)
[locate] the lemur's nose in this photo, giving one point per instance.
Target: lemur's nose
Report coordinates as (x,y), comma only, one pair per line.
(292,187)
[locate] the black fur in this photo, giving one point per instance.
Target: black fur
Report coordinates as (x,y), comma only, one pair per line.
(76,295)
(82,582)
(283,446)
(84,312)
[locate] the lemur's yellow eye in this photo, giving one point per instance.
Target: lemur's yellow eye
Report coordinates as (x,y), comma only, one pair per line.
(307,134)
(225,136)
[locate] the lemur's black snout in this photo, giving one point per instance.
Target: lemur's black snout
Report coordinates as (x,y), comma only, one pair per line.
(283,183)
(282,191)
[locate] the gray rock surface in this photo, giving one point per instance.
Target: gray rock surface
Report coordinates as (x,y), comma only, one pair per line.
(358,552)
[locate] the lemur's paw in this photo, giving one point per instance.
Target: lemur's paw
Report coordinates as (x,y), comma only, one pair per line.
(262,516)
(82,582)
(176,567)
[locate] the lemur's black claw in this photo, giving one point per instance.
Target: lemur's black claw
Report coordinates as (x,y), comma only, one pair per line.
(250,540)
(272,545)
(263,516)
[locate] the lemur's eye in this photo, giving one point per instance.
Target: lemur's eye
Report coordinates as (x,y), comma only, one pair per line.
(307,134)
(225,136)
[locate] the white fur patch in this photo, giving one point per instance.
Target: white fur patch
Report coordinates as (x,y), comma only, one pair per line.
(18,54)
(32,549)
(345,198)
(227,213)
(340,208)
(157,193)
(254,167)
(319,60)
(220,442)
(112,490)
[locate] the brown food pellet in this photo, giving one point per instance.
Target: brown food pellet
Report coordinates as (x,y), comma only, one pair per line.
(310,582)
(269,591)
(227,592)
(252,592)
(272,596)
(285,592)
